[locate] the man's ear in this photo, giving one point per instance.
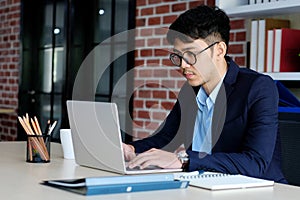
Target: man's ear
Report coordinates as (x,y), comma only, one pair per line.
(221,49)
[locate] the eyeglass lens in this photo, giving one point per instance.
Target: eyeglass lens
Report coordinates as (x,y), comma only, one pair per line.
(188,57)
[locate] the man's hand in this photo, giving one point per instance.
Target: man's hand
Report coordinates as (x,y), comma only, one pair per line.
(155,157)
(129,151)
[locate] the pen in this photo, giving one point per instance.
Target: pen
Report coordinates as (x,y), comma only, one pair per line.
(47,128)
(52,127)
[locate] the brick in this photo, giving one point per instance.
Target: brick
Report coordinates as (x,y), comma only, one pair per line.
(154,42)
(160,52)
(240,36)
(153,126)
(169,19)
(180,83)
(231,37)
(146,52)
(176,73)
(162,9)
(196,3)
(169,83)
(146,73)
(152,104)
(146,32)
(241,61)
(167,62)
(134,114)
(160,73)
(139,42)
(165,42)
(159,115)
(139,83)
(144,94)
(154,21)
(140,22)
(147,11)
(152,84)
(235,49)
(173,95)
(179,7)
(140,3)
(138,123)
(159,94)
(167,105)
(143,114)
(237,24)
(160,31)
(152,62)
(154,1)
(139,63)
(138,104)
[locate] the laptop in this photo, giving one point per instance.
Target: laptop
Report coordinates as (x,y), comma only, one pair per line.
(97,140)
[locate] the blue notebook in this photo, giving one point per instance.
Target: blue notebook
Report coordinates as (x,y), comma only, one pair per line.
(118,184)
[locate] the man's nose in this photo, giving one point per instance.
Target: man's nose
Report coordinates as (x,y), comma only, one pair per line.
(184,64)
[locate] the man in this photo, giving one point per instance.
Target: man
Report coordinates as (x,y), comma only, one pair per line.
(228,113)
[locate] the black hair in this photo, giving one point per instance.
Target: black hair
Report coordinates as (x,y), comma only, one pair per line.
(204,22)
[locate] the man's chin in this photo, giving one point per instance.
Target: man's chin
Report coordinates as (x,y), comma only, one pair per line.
(194,83)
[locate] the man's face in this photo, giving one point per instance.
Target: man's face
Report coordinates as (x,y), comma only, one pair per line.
(203,70)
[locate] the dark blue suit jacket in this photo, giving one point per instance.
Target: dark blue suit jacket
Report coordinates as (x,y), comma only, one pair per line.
(245,139)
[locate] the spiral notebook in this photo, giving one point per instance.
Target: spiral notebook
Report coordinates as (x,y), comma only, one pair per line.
(219,181)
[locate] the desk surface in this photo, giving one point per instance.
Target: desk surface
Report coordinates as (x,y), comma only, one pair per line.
(20,180)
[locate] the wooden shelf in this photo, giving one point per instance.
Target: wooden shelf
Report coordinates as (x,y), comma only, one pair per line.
(263,9)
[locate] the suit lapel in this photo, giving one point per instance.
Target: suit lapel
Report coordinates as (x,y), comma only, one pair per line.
(220,108)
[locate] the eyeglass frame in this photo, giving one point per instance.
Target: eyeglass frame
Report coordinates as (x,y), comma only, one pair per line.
(194,55)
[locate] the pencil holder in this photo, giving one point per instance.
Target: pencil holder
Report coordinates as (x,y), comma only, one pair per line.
(38,148)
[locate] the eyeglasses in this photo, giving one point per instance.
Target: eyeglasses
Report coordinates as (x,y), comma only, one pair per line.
(188,57)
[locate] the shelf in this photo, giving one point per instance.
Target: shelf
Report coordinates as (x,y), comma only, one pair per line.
(241,9)
(285,76)
(262,9)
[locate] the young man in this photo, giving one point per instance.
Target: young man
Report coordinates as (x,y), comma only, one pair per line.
(226,115)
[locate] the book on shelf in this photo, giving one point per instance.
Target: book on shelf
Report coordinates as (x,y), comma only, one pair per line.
(118,184)
(270,42)
(253,44)
(264,25)
(220,181)
(286,53)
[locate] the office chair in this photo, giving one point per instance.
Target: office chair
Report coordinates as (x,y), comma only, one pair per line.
(290,149)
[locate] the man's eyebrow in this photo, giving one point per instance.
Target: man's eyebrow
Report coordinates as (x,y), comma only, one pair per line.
(184,50)
(176,51)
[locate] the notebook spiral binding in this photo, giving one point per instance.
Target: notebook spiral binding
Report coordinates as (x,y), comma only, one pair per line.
(208,175)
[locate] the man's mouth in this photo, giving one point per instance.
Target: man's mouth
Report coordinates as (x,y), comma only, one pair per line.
(188,74)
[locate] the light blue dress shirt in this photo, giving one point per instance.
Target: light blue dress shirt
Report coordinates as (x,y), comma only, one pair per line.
(202,141)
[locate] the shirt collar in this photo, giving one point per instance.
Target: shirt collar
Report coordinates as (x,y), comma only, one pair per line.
(213,95)
(202,98)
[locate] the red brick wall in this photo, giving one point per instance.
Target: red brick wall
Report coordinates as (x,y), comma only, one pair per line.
(156,82)
(9,66)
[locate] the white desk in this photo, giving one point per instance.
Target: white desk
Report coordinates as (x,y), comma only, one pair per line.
(20,180)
